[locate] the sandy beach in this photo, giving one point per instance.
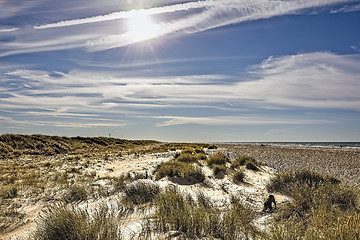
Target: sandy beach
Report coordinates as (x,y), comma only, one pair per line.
(343,163)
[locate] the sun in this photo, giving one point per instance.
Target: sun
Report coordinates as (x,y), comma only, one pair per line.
(141,27)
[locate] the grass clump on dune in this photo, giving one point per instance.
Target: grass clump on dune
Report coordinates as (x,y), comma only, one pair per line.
(285,182)
(218,169)
(246,160)
(218,158)
(73,223)
(186,171)
(321,207)
(190,158)
(76,193)
(200,218)
(141,192)
(251,166)
(238,176)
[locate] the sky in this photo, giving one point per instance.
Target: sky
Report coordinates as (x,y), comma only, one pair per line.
(171,70)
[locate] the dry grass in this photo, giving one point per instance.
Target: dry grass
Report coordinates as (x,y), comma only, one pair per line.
(74,223)
(200,218)
(218,158)
(238,176)
(56,170)
(245,160)
(141,192)
(186,171)
(321,207)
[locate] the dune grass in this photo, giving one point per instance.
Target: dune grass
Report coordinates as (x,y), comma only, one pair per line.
(71,222)
(218,158)
(199,218)
(141,192)
(186,171)
(245,160)
(39,167)
(238,176)
(321,207)
(285,182)
(191,157)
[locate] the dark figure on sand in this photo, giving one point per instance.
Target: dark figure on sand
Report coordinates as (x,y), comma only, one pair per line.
(268,203)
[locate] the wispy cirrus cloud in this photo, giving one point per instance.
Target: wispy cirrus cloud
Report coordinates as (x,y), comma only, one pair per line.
(212,14)
(106,31)
(319,80)
(128,14)
(347,8)
(276,131)
(236,120)
(4,30)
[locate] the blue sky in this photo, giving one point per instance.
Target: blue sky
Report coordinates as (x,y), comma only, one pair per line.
(225,70)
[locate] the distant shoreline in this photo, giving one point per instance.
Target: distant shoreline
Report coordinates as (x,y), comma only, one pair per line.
(352,145)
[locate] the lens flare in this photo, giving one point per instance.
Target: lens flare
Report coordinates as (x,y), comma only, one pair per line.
(141,27)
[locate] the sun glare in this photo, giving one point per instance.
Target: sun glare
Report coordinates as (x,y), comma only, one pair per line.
(141,27)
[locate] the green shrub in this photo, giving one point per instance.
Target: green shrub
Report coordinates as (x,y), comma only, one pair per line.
(71,223)
(182,170)
(218,158)
(141,191)
(239,176)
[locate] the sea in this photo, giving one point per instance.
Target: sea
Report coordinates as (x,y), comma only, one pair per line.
(305,144)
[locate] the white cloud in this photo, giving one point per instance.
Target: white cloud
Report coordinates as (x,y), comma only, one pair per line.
(316,80)
(275,131)
(4,30)
(348,8)
(128,14)
(213,14)
(319,80)
(101,32)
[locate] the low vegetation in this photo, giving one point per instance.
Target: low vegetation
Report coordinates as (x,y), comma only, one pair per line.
(218,158)
(141,192)
(287,182)
(53,168)
(321,207)
(186,171)
(58,171)
(245,160)
(191,158)
(71,222)
(199,218)
(238,176)
(217,169)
